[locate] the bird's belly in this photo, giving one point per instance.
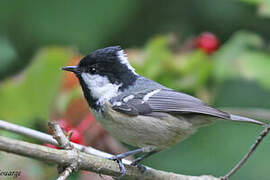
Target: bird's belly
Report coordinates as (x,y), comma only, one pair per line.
(160,132)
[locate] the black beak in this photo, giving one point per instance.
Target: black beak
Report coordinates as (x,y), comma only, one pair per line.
(73,69)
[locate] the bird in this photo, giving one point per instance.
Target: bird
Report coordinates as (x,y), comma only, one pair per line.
(139,111)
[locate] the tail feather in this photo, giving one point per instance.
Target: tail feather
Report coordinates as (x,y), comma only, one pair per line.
(245,119)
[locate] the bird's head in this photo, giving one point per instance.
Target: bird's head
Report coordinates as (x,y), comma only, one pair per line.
(103,74)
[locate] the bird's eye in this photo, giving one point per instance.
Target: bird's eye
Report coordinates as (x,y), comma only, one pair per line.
(92,70)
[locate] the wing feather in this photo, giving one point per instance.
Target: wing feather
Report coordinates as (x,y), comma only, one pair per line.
(176,102)
(170,101)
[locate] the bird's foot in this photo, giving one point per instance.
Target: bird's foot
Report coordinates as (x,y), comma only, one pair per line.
(136,163)
(141,167)
(122,168)
(119,158)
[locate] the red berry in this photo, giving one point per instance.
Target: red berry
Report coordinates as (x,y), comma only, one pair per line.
(208,42)
(76,136)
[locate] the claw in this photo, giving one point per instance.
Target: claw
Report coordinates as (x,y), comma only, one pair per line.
(141,167)
(119,158)
(121,165)
(122,169)
(136,161)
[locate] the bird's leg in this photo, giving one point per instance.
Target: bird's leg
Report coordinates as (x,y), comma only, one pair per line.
(141,158)
(119,157)
(122,168)
(126,154)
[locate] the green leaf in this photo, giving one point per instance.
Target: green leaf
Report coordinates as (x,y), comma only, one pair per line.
(197,70)
(157,53)
(181,71)
(256,66)
(30,98)
(228,57)
(264,8)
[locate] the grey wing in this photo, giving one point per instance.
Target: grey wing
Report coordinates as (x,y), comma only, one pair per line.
(170,101)
(166,101)
(175,102)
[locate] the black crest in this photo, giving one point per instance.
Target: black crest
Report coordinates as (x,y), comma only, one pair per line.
(107,63)
(106,55)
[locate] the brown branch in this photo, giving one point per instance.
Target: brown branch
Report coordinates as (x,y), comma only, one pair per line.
(64,142)
(46,138)
(87,162)
(68,171)
(59,135)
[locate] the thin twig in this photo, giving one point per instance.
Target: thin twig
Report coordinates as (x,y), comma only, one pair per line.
(46,138)
(67,172)
(248,154)
(27,132)
(64,142)
(59,135)
(88,162)
(89,150)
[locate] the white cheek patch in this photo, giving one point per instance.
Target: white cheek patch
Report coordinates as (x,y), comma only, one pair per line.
(124,60)
(100,86)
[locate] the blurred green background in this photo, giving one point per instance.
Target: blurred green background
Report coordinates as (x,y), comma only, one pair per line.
(39,37)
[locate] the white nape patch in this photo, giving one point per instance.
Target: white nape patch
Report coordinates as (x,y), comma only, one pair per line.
(147,96)
(100,86)
(126,99)
(124,60)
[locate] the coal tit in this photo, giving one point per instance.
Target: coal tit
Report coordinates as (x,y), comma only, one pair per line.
(137,110)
